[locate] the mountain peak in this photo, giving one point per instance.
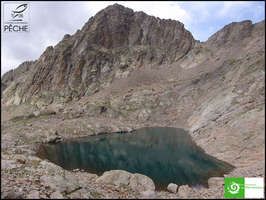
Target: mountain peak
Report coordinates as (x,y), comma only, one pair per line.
(115,40)
(233,32)
(115,9)
(116,6)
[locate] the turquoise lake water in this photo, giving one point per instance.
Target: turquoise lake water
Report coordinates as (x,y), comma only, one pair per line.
(166,155)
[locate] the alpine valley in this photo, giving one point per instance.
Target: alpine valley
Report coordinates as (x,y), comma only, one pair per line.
(125,70)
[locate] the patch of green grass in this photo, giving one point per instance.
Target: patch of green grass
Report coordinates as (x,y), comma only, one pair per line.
(75,91)
(234,90)
(223,78)
(107,104)
(261,107)
(128,189)
(22,118)
(124,114)
(34,163)
(235,101)
(91,130)
(243,115)
(64,195)
(80,67)
(232,62)
(18,118)
(115,92)
(132,110)
(11,171)
(123,186)
(96,195)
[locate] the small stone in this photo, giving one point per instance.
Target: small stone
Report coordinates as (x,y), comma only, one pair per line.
(149,194)
(54,139)
(183,191)
(144,115)
(34,194)
(172,188)
(80,194)
(43,196)
(216,181)
(21,161)
(37,113)
(56,195)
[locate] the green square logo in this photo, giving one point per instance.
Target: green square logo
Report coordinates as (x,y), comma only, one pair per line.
(234,188)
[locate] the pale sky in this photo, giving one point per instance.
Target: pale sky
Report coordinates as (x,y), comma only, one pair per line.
(50,21)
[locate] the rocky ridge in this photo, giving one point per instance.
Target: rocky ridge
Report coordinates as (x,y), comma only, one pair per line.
(110,45)
(133,70)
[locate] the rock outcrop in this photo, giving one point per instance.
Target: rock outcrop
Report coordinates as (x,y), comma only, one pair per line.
(110,45)
(138,182)
(231,33)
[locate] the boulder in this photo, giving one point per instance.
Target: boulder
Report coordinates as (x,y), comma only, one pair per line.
(172,188)
(137,182)
(61,184)
(117,177)
(54,139)
(141,183)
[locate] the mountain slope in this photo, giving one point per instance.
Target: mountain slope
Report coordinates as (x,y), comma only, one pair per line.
(126,70)
(113,40)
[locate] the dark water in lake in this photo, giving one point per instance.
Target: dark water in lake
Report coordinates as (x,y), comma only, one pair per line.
(166,155)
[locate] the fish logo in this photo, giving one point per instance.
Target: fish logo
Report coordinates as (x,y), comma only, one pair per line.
(16,17)
(18,12)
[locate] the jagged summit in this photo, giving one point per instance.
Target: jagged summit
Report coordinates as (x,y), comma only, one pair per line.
(111,45)
(118,26)
(114,40)
(115,8)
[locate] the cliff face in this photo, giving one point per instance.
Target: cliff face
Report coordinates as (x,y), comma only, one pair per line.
(110,45)
(125,70)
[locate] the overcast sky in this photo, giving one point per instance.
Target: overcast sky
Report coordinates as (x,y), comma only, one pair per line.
(50,21)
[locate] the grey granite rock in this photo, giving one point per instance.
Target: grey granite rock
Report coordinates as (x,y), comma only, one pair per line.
(172,188)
